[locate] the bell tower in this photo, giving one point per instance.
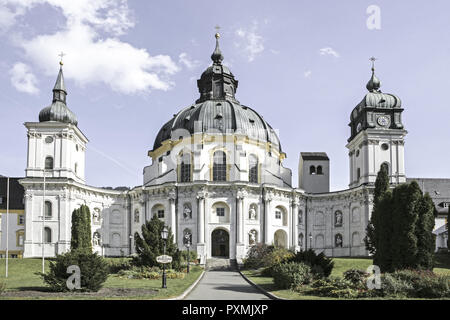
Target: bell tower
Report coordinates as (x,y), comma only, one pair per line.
(376,136)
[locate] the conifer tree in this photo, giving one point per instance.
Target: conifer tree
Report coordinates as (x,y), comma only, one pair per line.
(150,245)
(372,230)
(424,232)
(406,199)
(81,229)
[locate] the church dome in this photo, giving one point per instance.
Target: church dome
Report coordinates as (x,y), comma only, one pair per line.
(58,110)
(217,110)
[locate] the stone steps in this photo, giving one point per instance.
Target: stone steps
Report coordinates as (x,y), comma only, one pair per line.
(220,264)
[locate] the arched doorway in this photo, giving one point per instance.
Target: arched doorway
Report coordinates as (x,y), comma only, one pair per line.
(220,243)
(280,239)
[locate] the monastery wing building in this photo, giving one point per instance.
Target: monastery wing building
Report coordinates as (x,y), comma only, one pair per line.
(216,178)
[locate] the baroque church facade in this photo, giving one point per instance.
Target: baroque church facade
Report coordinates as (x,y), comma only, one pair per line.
(216,179)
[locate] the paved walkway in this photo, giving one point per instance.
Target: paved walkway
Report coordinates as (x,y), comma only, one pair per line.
(224,285)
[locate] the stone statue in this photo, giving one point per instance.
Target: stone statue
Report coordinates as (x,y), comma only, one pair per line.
(187,212)
(96,239)
(338,241)
(338,218)
(252,237)
(96,215)
(300,217)
(300,240)
(252,213)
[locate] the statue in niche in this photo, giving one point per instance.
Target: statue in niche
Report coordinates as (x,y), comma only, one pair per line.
(300,240)
(338,241)
(187,212)
(338,219)
(96,239)
(252,238)
(252,213)
(300,217)
(96,215)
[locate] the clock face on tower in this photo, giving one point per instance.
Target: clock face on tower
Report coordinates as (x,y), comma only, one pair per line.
(383,121)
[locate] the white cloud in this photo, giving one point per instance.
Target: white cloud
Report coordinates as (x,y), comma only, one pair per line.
(23,79)
(249,41)
(186,60)
(92,58)
(329,51)
(307,73)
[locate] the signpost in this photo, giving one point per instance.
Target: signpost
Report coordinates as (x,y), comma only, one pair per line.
(164,259)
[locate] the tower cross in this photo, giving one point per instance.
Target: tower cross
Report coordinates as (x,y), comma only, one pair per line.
(61,55)
(373,62)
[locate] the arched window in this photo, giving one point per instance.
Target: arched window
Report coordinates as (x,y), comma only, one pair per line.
(76,168)
(312,170)
(185,167)
(219,166)
(358,173)
(319,170)
(47,235)
(253,169)
(48,163)
(48,209)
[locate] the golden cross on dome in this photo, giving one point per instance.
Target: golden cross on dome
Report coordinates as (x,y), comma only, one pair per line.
(61,55)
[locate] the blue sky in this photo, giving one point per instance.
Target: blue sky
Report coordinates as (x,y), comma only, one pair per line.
(303,65)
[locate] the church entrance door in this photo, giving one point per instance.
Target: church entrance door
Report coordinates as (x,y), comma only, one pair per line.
(220,244)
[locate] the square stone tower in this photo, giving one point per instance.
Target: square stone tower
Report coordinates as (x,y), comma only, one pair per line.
(314,172)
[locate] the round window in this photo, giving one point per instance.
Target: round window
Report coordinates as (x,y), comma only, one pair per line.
(49,139)
(384,146)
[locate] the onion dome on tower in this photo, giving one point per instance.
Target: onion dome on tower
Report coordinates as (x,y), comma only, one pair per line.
(58,110)
(377,109)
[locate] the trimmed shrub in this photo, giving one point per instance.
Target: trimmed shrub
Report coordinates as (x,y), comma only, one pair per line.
(291,275)
(416,284)
(355,276)
(256,256)
(2,286)
(321,265)
(275,257)
(150,273)
(93,269)
(117,264)
(335,287)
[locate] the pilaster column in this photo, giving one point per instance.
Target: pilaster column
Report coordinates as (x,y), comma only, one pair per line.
(201,217)
(240,217)
(173,219)
(294,206)
(267,217)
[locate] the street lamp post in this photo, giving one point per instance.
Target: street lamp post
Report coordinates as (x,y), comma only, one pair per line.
(164,236)
(187,244)
(43,224)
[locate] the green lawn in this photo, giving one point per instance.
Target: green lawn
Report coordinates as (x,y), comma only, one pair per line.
(22,277)
(340,265)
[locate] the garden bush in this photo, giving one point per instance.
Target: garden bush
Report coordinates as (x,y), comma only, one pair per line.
(356,276)
(415,284)
(321,265)
(117,264)
(150,273)
(335,287)
(93,271)
(192,256)
(256,256)
(291,274)
(275,257)
(2,286)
